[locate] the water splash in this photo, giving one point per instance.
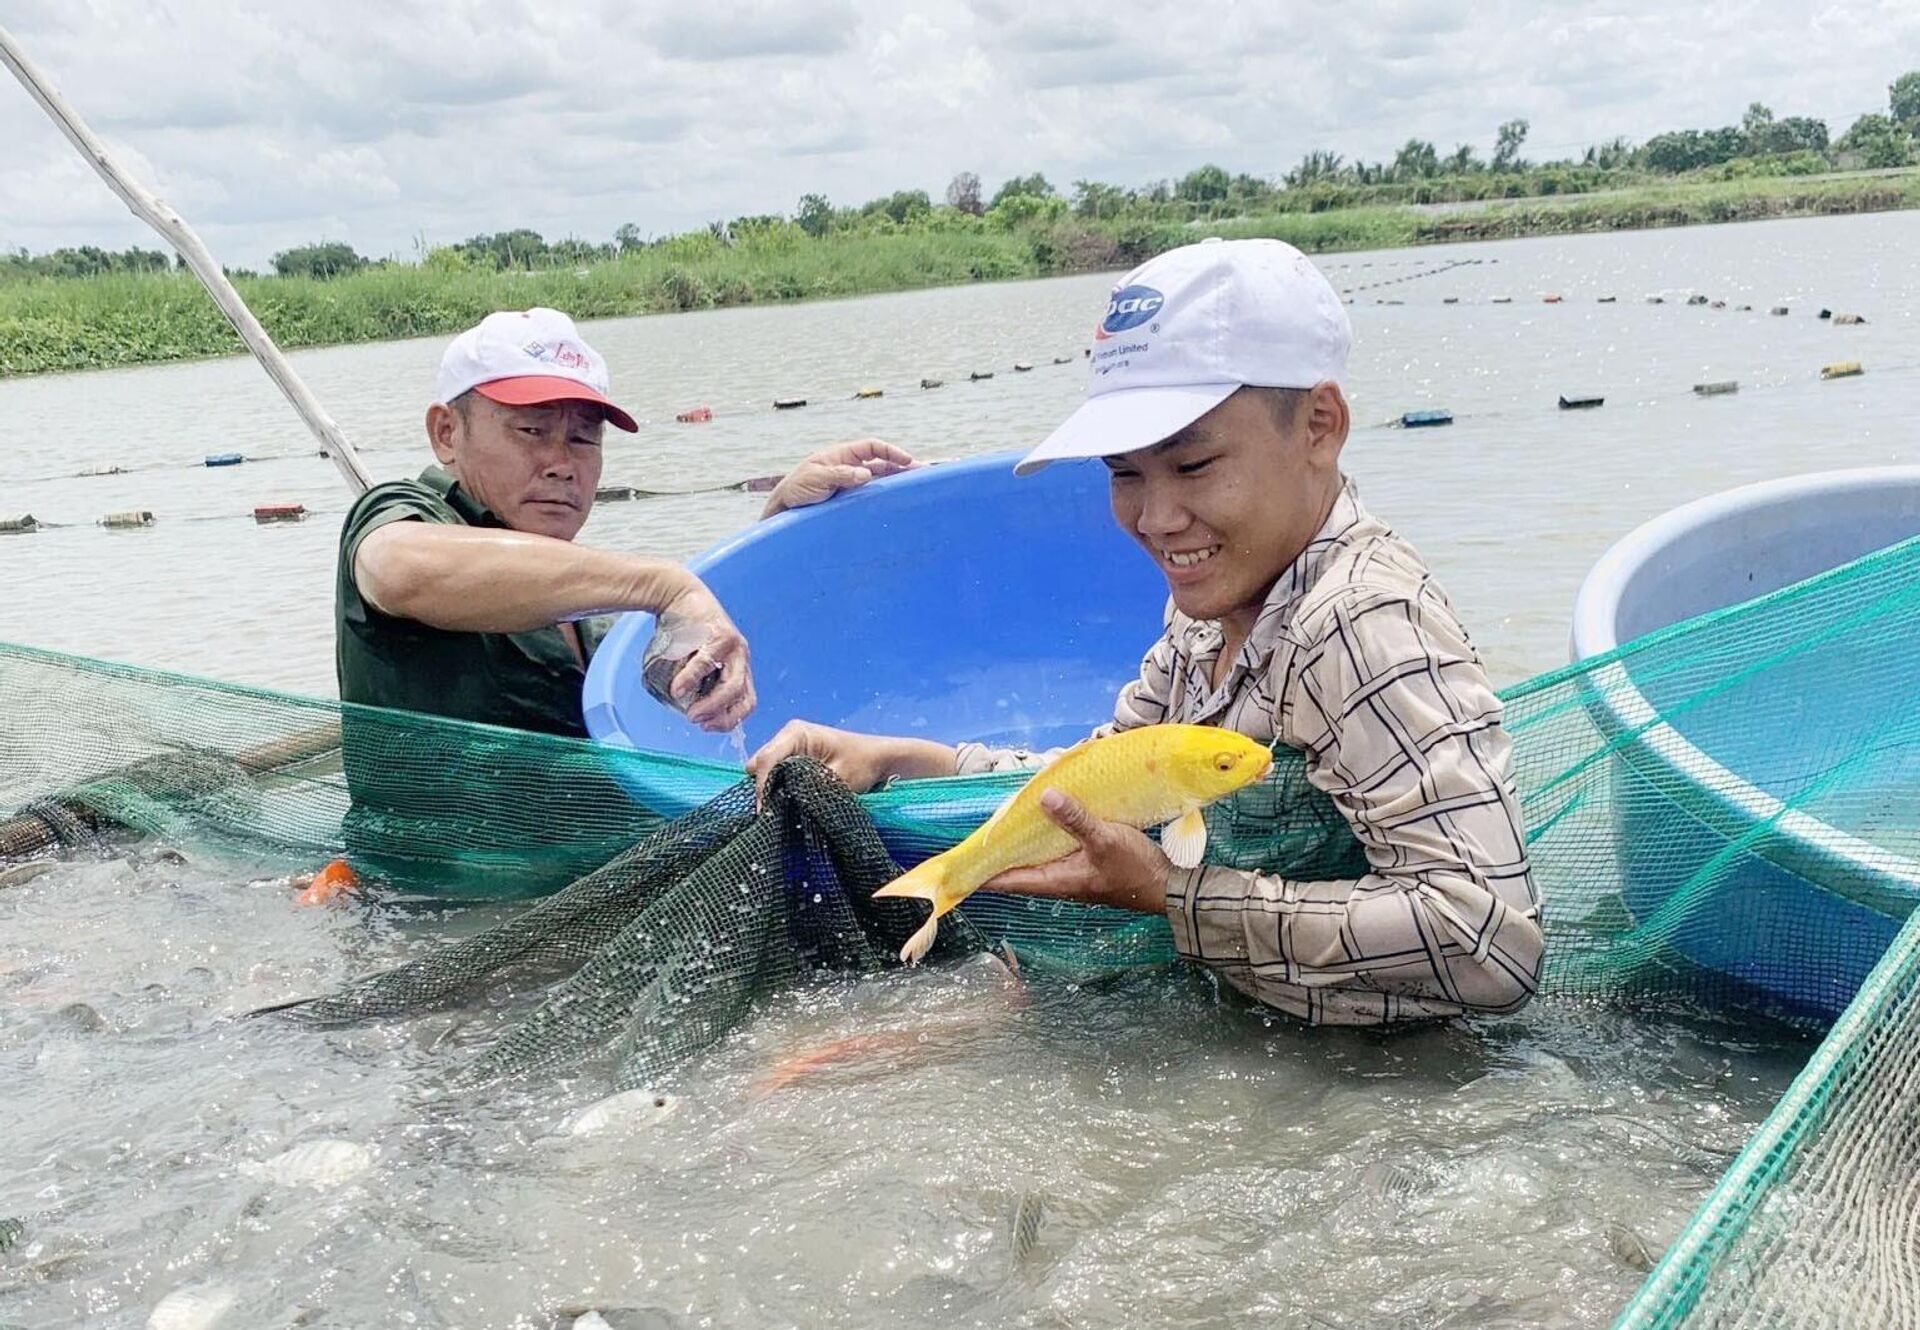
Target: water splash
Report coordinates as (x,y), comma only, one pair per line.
(737,744)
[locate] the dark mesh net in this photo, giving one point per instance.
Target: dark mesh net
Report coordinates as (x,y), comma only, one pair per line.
(655,955)
(661,951)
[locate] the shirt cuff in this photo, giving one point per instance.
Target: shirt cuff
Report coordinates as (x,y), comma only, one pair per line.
(1183,885)
(971,759)
(1206,907)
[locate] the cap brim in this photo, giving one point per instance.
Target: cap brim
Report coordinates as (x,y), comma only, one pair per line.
(540,389)
(1124,421)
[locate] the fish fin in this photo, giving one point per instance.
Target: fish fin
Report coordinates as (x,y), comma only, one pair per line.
(1014,982)
(1001,811)
(1185,838)
(922,941)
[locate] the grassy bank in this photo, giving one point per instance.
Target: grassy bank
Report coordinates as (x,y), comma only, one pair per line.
(85,323)
(1753,200)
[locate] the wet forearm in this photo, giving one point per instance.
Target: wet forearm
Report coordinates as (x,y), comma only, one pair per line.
(919,759)
(464,580)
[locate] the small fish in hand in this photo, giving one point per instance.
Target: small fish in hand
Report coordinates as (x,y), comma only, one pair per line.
(1141,777)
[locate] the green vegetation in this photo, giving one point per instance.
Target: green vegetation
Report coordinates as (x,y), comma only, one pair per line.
(328,259)
(83,308)
(1749,199)
(134,318)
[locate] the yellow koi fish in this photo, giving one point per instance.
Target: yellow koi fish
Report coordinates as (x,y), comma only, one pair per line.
(1145,776)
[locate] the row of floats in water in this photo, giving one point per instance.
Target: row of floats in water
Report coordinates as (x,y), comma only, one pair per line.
(270,513)
(1845,369)
(133,519)
(1412,419)
(1555,298)
(273,513)
(701,414)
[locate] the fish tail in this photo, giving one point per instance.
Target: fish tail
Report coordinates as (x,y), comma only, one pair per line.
(924,882)
(1015,982)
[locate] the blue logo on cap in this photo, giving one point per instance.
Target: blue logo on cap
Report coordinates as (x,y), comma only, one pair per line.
(1130,307)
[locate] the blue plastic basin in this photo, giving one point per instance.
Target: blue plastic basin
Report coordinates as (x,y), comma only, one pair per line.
(955,602)
(1804,911)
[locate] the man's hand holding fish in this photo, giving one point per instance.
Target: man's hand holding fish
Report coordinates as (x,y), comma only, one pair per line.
(1115,865)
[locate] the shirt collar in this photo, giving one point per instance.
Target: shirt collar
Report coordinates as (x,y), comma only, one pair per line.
(474,513)
(1300,575)
(1276,612)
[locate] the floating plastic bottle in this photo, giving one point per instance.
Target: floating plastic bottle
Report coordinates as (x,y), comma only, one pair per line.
(136,517)
(279,512)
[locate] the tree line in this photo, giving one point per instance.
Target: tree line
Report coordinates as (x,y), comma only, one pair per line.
(1418,173)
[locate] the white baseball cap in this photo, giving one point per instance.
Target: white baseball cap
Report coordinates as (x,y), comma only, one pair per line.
(1182,331)
(528,357)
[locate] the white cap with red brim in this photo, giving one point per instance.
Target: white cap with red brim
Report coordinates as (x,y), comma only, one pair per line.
(529,357)
(1183,331)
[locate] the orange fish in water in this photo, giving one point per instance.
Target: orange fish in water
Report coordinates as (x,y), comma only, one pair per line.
(921,1039)
(337,879)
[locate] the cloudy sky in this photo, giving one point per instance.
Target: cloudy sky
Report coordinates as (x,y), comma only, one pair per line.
(380,123)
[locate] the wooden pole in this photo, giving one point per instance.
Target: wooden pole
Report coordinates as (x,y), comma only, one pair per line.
(24,834)
(161,217)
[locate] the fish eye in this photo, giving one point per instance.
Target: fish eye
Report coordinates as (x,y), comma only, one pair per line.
(1223,762)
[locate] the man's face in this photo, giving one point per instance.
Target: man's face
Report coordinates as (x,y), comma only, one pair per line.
(535,467)
(1225,505)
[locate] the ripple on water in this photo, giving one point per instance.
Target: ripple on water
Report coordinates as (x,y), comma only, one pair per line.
(1137,1149)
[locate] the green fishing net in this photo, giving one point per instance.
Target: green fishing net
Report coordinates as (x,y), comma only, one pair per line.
(1724,814)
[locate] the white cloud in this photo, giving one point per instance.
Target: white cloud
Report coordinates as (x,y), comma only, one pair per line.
(271,124)
(722,30)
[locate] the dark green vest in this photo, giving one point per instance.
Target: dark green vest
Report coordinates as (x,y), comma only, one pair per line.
(528,681)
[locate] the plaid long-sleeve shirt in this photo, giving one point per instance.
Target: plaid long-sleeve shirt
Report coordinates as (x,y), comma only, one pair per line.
(1358,660)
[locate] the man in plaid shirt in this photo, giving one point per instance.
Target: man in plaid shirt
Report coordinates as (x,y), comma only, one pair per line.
(1295,615)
